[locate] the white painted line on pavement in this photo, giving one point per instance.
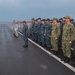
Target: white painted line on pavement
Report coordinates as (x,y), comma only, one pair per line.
(57,58)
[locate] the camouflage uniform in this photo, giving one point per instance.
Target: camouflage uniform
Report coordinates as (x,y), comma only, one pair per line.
(36,32)
(55,34)
(33,23)
(68,35)
(25,33)
(47,34)
(39,32)
(42,34)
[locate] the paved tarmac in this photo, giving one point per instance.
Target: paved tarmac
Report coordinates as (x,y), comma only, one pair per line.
(15,60)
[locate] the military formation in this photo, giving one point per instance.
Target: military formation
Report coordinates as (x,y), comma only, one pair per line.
(54,35)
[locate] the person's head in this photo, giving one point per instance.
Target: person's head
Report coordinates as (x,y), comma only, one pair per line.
(51,21)
(54,20)
(24,22)
(39,19)
(72,20)
(33,20)
(67,19)
(61,19)
(36,21)
(58,22)
(47,21)
(43,21)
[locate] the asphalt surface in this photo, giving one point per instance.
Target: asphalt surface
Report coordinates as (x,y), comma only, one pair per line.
(15,60)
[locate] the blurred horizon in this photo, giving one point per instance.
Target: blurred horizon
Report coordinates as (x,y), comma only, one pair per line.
(26,9)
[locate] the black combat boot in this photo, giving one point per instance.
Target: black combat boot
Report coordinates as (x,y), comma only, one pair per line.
(25,46)
(63,59)
(55,52)
(67,60)
(48,48)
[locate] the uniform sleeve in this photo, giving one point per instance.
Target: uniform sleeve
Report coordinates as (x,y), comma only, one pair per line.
(72,33)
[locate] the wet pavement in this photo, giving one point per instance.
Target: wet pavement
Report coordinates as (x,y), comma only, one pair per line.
(15,60)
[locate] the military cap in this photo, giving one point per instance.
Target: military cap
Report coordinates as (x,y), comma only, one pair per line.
(72,19)
(68,17)
(32,19)
(48,19)
(54,19)
(24,21)
(43,20)
(61,19)
(39,18)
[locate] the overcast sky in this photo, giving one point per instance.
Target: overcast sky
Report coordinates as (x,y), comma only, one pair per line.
(27,9)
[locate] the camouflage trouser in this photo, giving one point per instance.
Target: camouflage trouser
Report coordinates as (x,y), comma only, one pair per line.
(54,43)
(25,39)
(33,35)
(66,48)
(39,37)
(47,41)
(36,37)
(43,39)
